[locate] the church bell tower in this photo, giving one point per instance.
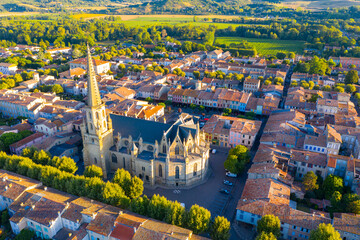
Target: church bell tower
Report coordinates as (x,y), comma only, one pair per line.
(96,129)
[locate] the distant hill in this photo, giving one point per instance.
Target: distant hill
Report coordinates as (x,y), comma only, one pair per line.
(190,6)
(129,6)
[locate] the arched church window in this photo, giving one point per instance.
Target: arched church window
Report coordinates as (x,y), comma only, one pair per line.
(97,115)
(95,160)
(150,148)
(91,126)
(177,150)
(160,170)
(114,158)
(177,172)
(195,169)
(126,142)
(164,148)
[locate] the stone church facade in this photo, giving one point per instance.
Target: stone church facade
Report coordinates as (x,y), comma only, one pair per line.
(158,153)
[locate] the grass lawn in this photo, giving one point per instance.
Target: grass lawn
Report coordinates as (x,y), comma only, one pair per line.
(267,46)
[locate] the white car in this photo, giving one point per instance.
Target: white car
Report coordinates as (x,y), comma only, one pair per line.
(229,174)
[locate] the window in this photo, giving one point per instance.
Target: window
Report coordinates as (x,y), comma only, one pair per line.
(114,158)
(160,170)
(143,168)
(97,115)
(95,160)
(195,169)
(177,172)
(177,150)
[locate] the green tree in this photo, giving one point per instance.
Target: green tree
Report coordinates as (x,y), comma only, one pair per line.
(281,55)
(198,219)
(269,224)
(336,199)
(339,89)
(68,165)
(326,88)
(93,171)
(76,53)
(5,219)
(324,232)
(265,236)
(25,234)
(291,55)
(175,214)
(309,181)
(41,157)
(351,203)
(57,89)
(293,83)
(220,229)
(350,88)
(331,184)
(352,77)
(114,195)
(231,164)
(136,188)
(267,82)
(196,74)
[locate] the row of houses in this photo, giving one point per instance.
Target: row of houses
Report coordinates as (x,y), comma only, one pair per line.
(52,214)
(289,148)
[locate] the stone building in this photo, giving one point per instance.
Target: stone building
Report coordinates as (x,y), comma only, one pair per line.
(158,153)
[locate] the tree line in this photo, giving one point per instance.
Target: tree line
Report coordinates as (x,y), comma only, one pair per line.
(122,191)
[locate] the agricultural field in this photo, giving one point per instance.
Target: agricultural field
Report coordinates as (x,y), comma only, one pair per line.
(88,16)
(145,20)
(6,14)
(266,46)
(317,5)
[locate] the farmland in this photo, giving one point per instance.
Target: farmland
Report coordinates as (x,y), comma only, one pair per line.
(266,46)
(88,16)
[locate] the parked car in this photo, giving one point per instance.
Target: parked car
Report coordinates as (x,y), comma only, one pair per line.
(213,151)
(224,191)
(226,182)
(229,174)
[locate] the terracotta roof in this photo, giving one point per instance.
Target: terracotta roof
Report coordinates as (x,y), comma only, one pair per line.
(122,232)
(284,212)
(347,223)
(266,189)
(103,224)
(26,140)
(156,230)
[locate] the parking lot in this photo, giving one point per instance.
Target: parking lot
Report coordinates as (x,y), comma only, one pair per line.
(208,194)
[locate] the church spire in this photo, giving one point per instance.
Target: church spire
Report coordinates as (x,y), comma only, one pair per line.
(93,95)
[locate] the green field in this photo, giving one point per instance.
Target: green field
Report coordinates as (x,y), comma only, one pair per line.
(146,20)
(267,46)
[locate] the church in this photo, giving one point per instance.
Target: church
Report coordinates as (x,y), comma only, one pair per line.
(158,153)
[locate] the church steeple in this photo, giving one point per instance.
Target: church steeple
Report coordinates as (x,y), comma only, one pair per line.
(96,130)
(94,98)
